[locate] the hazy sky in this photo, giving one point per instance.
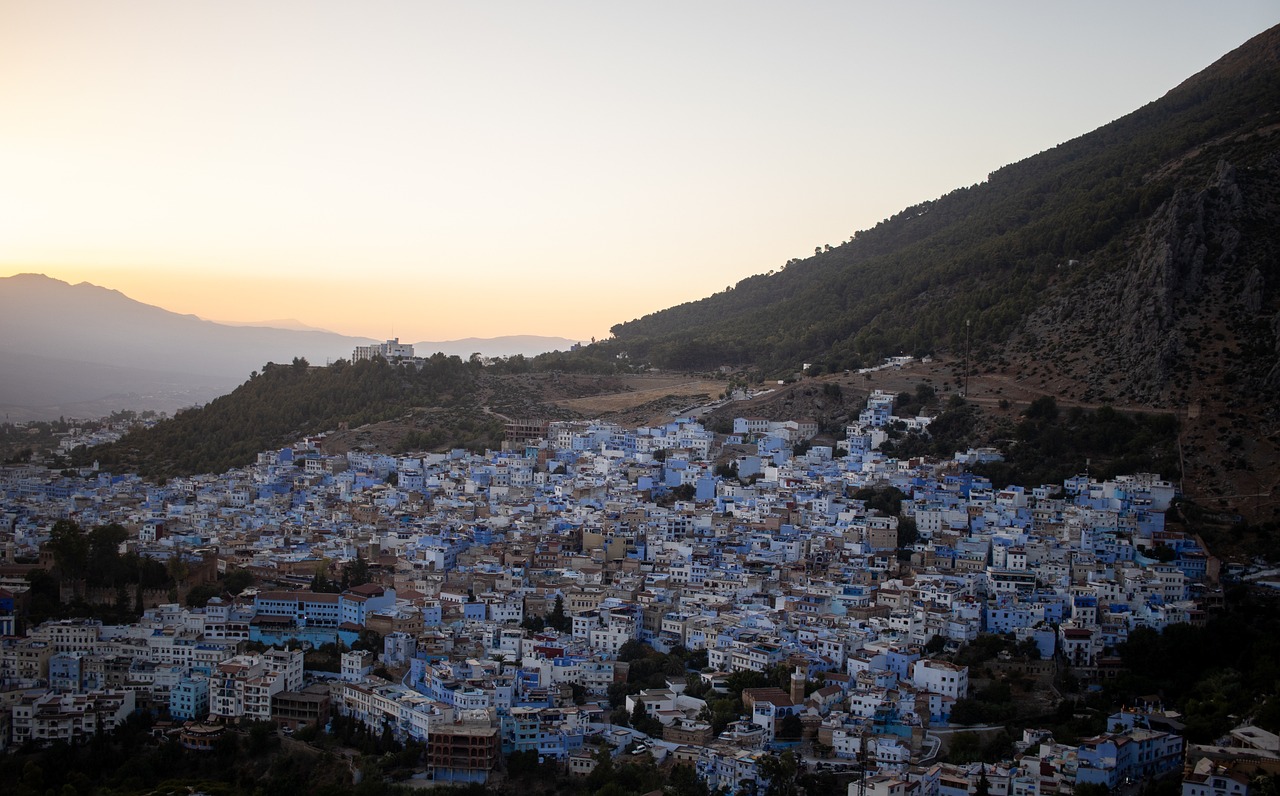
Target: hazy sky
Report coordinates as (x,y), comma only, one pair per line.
(439,170)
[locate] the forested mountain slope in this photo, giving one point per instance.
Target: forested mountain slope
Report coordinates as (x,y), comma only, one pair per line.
(1119,261)
(286,402)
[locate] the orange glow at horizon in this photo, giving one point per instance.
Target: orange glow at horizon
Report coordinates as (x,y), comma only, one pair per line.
(436,170)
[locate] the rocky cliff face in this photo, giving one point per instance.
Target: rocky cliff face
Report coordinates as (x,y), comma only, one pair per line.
(1187,251)
(1185,316)
(1189,306)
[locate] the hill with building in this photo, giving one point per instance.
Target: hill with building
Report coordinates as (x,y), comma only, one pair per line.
(85,351)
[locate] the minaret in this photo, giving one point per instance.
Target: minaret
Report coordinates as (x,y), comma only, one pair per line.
(797,686)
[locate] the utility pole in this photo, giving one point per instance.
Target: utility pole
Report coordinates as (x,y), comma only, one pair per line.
(862,754)
(966,357)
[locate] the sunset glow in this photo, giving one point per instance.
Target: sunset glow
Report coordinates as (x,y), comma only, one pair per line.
(440,170)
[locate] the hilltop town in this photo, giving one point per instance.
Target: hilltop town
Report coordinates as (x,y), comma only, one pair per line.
(593,592)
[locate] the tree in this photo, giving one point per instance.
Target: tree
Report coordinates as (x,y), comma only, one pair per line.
(262,738)
(908,531)
(780,773)
(321,584)
(969,712)
(43,595)
(790,728)
(104,554)
(603,772)
(684,492)
(1043,408)
(983,788)
(633,649)
(639,716)
(557,618)
(368,640)
(199,595)
(357,572)
(684,781)
(70,549)
(642,721)
(1163,553)
(237,580)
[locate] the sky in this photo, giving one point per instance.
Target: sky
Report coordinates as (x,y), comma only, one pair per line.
(431,170)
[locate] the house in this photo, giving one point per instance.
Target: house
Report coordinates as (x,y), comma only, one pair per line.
(46,717)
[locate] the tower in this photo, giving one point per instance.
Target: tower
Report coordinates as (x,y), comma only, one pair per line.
(797,686)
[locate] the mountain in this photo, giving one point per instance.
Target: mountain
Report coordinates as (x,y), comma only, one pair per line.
(525,345)
(63,344)
(84,350)
(292,324)
(1136,264)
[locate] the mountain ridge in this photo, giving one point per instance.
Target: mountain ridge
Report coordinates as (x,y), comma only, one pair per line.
(974,264)
(54,334)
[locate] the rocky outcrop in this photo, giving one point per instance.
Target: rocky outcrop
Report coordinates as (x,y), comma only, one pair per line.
(1189,285)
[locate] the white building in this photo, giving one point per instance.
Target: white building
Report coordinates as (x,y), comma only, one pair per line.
(242,687)
(941,677)
(391,350)
(49,717)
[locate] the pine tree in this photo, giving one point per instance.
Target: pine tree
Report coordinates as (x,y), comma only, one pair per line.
(558,618)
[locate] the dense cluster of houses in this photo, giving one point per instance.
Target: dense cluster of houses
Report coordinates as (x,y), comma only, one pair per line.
(733,545)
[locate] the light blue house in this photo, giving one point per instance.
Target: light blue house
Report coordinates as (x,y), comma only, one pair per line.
(189,699)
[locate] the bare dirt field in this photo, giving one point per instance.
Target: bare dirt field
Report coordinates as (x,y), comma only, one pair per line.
(659,393)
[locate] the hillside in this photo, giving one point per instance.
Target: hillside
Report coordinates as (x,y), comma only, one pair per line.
(286,402)
(374,406)
(1135,263)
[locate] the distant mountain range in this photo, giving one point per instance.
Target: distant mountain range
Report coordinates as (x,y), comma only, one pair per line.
(525,345)
(84,350)
(280,323)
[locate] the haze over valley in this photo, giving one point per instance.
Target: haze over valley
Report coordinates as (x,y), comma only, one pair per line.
(85,351)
